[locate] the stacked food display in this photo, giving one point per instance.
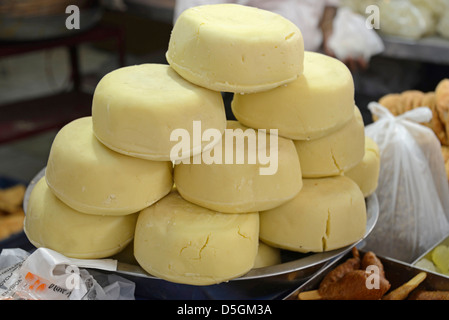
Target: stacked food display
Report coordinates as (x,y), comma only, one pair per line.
(199,214)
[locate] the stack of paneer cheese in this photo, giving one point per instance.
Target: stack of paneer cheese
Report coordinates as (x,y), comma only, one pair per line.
(209,217)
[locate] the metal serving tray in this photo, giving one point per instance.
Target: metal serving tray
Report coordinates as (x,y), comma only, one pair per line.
(396,272)
(272,282)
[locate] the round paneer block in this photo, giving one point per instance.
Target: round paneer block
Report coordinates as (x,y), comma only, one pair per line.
(366,172)
(335,153)
(135,110)
(328,214)
(52,224)
(235,48)
(268,175)
(316,104)
(267,256)
(91,178)
(184,243)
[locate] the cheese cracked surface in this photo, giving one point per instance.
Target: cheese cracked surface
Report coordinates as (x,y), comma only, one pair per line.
(335,153)
(329,213)
(316,104)
(52,224)
(237,188)
(235,48)
(135,109)
(366,173)
(91,178)
(185,243)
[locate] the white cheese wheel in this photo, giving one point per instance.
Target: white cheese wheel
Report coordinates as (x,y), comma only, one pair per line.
(135,110)
(235,48)
(91,178)
(184,243)
(366,173)
(52,224)
(328,213)
(316,104)
(335,153)
(267,256)
(236,188)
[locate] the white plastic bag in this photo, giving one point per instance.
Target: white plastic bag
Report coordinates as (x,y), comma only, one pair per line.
(402,18)
(48,275)
(443,25)
(351,38)
(413,191)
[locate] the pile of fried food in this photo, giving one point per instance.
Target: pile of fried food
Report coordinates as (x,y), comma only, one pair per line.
(350,279)
(11,210)
(437,101)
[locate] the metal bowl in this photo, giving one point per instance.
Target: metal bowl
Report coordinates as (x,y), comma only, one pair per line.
(266,283)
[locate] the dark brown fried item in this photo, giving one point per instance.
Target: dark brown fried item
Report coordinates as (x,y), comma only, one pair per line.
(370,259)
(353,286)
(429,295)
(342,269)
(348,282)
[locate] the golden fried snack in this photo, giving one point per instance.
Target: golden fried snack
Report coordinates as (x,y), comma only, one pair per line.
(11,211)
(402,292)
(438,127)
(429,295)
(399,103)
(445,152)
(411,99)
(392,102)
(442,102)
(310,295)
(11,198)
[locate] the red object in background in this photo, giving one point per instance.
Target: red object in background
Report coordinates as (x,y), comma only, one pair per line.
(25,118)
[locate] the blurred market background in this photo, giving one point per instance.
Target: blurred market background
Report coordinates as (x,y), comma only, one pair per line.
(48,73)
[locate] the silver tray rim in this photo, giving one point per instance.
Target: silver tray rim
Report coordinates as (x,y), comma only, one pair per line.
(308,261)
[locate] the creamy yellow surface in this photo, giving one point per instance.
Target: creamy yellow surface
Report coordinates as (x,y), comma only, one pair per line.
(328,213)
(267,256)
(184,243)
(335,153)
(51,224)
(92,178)
(235,188)
(316,104)
(235,48)
(135,109)
(366,172)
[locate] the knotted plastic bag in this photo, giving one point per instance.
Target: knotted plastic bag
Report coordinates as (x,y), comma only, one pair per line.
(413,191)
